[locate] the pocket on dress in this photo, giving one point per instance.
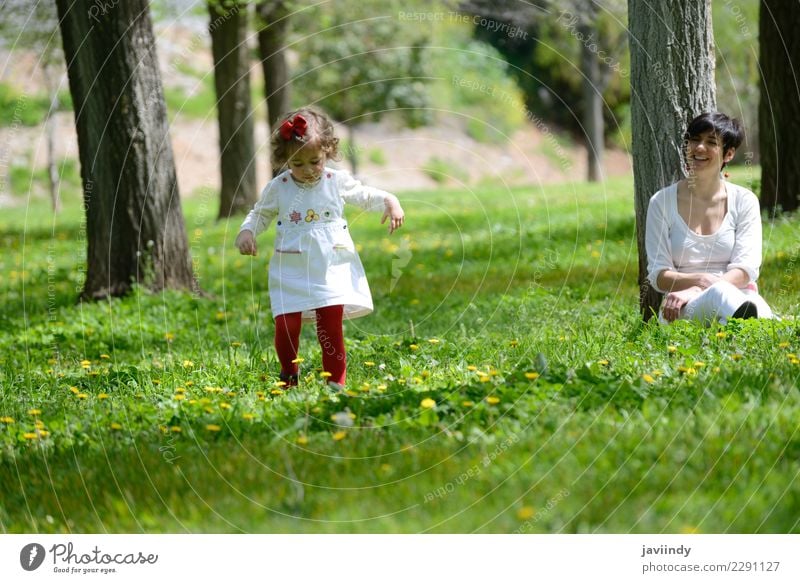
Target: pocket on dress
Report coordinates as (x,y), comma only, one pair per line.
(290,264)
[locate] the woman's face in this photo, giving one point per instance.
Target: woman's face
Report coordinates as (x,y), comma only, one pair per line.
(704,153)
(307,163)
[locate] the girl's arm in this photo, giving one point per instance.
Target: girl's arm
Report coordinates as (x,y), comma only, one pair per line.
(371,199)
(258,220)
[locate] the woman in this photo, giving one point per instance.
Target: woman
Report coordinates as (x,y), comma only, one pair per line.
(703,234)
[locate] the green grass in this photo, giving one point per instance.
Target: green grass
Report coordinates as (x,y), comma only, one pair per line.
(627,428)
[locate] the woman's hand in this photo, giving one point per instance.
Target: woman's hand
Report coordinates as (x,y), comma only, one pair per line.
(675,301)
(393,212)
(246,243)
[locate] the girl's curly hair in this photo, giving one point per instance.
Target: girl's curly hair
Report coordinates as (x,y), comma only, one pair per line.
(320,132)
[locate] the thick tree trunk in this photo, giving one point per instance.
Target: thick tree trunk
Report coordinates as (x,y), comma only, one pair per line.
(134,223)
(228,28)
(593,125)
(779,108)
(672,80)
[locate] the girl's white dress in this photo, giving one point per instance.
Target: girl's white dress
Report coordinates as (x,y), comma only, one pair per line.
(315,263)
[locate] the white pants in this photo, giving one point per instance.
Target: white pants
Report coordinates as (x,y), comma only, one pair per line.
(719,302)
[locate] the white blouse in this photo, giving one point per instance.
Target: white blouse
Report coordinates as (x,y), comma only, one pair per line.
(672,245)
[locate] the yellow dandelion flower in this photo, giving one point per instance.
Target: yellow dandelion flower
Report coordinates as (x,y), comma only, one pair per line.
(220,315)
(525,513)
(74,390)
(248,416)
(225,406)
(169,336)
(467,404)
(658,372)
(413,346)
(86,363)
(434,340)
(276,392)
(369,363)
(301,440)
(472,368)
(339,435)
(386,468)
(484,378)
(30,435)
(381,387)
(116,426)
(180,390)
(213,427)
(236,344)
(298,360)
(722,335)
(188,364)
(492,400)
(716,369)
(699,364)
(105,356)
(82,395)
(43,433)
(325,374)
(364,388)
(175,429)
(531,376)
(7,420)
(648,378)
(427,403)
(672,349)
(39,424)
(179,397)
(513,343)
(102,396)
(189,383)
(480,373)
(736,357)
(425,374)
(351,393)
(280,384)
(783,345)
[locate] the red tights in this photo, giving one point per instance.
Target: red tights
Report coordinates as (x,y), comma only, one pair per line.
(329,334)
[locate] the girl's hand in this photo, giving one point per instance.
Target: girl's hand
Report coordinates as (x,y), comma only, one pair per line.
(246,243)
(394,212)
(675,301)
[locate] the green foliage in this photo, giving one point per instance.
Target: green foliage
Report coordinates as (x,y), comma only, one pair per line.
(504,383)
(25,180)
(359,66)
(20,109)
(443,171)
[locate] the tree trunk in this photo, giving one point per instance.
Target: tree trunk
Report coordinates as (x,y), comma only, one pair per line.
(134,222)
(779,108)
(49,124)
(672,81)
(273,26)
(593,125)
(228,30)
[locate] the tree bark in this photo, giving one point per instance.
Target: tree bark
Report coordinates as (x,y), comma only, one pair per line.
(593,125)
(779,107)
(272,34)
(228,28)
(134,222)
(672,81)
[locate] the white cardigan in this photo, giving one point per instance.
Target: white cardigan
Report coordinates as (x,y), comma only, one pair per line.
(670,244)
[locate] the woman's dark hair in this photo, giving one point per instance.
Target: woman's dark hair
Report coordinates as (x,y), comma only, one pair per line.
(729,129)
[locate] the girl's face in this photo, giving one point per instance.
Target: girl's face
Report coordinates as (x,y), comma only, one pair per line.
(307,163)
(704,153)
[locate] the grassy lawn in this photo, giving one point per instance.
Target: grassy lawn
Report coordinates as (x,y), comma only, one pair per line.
(504,384)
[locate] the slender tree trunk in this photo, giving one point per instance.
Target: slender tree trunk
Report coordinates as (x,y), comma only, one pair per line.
(228,30)
(134,223)
(49,124)
(352,154)
(779,107)
(592,100)
(672,80)
(272,34)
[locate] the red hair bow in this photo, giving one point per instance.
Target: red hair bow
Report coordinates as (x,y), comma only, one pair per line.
(296,126)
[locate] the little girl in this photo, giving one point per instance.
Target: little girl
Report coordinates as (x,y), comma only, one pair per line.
(315,273)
